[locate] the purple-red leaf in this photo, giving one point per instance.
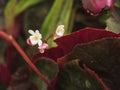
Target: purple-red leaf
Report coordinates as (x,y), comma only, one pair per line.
(96,6)
(73,77)
(102,56)
(5,74)
(66,43)
(82,36)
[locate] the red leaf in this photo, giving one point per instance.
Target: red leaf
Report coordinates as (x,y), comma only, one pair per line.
(82,36)
(97,77)
(9,53)
(5,75)
(52,53)
(66,43)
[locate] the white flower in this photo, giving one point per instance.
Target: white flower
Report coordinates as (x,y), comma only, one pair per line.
(42,47)
(35,38)
(59,31)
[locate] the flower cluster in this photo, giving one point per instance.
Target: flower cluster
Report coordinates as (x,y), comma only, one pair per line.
(36,38)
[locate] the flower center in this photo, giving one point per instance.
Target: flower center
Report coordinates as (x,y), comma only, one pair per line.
(59,30)
(35,37)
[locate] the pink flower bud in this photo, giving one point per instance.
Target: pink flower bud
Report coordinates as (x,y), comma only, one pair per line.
(29,42)
(42,47)
(96,6)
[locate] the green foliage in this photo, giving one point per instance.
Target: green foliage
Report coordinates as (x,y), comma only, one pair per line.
(117,3)
(49,69)
(13,9)
(24,4)
(59,14)
(113,23)
(73,77)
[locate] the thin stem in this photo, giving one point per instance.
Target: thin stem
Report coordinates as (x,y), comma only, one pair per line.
(10,39)
(51,35)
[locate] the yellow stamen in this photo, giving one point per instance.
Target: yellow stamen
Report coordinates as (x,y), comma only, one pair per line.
(35,37)
(59,30)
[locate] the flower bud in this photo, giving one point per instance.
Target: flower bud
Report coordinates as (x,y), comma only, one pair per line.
(96,6)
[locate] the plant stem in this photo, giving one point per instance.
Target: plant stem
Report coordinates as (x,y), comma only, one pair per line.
(50,36)
(10,39)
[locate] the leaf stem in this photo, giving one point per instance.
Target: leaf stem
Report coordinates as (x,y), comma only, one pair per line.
(10,39)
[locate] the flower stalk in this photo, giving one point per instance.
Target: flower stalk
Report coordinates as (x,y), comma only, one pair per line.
(11,40)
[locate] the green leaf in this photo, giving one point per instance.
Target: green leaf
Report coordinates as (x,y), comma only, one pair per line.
(59,14)
(113,23)
(49,69)
(73,77)
(13,9)
(24,4)
(117,3)
(9,15)
(102,56)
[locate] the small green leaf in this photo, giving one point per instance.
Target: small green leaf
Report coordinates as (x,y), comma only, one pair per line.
(48,68)
(113,23)
(73,77)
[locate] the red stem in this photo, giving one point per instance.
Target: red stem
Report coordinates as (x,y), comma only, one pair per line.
(10,39)
(51,35)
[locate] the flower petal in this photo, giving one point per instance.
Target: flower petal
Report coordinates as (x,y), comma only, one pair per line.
(39,42)
(31,32)
(33,41)
(60,30)
(38,33)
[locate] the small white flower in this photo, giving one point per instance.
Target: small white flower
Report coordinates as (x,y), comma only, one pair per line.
(42,47)
(35,38)
(59,31)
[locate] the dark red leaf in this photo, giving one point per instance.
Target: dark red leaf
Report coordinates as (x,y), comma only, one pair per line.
(9,53)
(82,36)
(102,56)
(5,74)
(66,43)
(52,53)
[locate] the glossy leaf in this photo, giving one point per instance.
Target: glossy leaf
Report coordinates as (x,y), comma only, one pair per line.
(103,57)
(49,69)
(73,77)
(82,36)
(68,42)
(52,53)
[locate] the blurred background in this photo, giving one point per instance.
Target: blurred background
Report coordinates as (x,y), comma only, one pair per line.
(18,16)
